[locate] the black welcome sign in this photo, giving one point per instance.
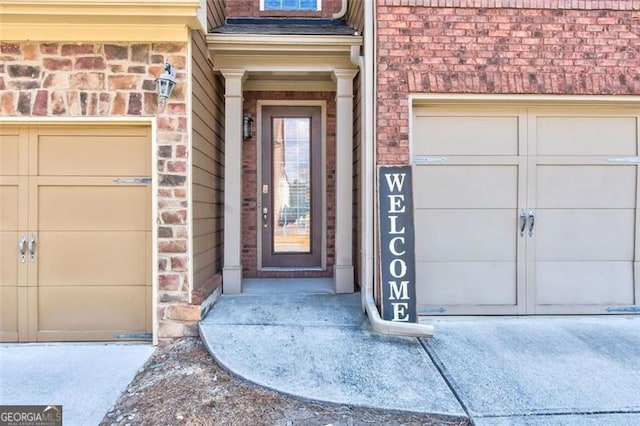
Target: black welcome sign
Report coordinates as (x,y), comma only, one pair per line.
(397,257)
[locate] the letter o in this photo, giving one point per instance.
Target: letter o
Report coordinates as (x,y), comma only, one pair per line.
(393,268)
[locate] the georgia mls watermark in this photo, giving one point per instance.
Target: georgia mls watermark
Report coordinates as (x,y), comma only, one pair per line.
(30,415)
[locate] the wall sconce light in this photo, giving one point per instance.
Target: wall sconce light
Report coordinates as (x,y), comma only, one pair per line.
(165,83)
(247,122)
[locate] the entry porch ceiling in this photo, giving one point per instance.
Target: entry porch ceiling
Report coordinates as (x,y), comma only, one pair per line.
(285,62)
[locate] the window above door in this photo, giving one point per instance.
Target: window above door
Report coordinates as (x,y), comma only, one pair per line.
(295,5)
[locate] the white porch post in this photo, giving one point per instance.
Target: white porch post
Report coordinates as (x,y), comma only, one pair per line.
(232,269)
(343,268)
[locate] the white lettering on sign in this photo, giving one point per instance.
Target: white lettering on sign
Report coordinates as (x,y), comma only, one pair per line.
(396,245)
(400,311)
(392,246)
(398,268)
(398,292)
(393,223)
(396,203)
(395,180)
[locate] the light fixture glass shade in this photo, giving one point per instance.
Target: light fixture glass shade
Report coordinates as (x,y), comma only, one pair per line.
(166,82)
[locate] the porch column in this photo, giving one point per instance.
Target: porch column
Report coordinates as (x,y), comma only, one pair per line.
(343,268)
(232,269)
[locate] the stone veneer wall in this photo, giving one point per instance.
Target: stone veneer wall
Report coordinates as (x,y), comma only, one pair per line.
(115,80)
(587,47)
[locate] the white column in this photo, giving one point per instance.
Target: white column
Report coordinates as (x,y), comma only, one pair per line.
(232,269)
(343,268)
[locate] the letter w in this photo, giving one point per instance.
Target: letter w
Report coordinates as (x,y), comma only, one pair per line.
(395,180)
(398,292)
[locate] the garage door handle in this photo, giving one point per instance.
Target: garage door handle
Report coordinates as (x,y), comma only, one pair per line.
(32,242)
(532,222)
(523,222)
(21,243)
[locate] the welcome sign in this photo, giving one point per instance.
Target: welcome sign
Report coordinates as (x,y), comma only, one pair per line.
(397,257)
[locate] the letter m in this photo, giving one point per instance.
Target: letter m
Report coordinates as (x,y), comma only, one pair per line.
(395,180)
(398,292)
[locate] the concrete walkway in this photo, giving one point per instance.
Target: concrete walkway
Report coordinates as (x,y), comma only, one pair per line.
(496,371)
(85,378)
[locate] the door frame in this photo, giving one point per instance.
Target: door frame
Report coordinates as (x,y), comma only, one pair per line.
(323,180)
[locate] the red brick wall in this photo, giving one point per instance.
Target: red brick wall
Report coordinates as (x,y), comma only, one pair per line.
(521,4)
(251,8)
(499,51)
(250,179)
(114,80)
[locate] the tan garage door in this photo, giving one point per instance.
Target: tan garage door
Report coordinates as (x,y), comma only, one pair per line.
(526,210)
(79,198)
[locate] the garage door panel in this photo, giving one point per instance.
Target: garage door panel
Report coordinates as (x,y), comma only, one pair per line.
(96,154)
(8,313)
(9,205)
(585,234)
(92,308)
(9,153)
(91,276)
(70,258)
(465,234)
(580,256)
(584,283)
(466,283)
(466,186)
(9,258)
(465,135)
(93,207)
(586,186)
(587,135)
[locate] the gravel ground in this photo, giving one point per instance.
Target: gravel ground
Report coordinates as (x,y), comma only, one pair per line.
(182,385)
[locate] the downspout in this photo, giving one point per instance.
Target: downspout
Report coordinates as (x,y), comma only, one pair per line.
(366,65)
(342,12)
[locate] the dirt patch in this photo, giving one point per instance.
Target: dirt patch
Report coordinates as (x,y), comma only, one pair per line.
(182,385)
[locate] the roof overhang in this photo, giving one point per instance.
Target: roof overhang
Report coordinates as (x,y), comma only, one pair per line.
(100,20)
(283,62)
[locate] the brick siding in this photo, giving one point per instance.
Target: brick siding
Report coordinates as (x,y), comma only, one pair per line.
(498,51)
(114,80)
(521,4)
(250,180)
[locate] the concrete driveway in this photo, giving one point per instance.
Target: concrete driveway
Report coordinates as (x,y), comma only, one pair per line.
(543,370)
(85,378)
(495,371)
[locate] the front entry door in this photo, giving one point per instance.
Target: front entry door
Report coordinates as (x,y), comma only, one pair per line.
(291,212)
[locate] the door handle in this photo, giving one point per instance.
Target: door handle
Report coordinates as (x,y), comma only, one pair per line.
(532,222)
(30,246)
(21,243)
(523,222)
(265,220)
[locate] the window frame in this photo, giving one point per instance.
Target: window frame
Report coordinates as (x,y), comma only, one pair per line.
(317,9)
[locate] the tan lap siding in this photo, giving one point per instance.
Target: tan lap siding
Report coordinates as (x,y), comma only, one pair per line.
(215,13)
(208,172)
